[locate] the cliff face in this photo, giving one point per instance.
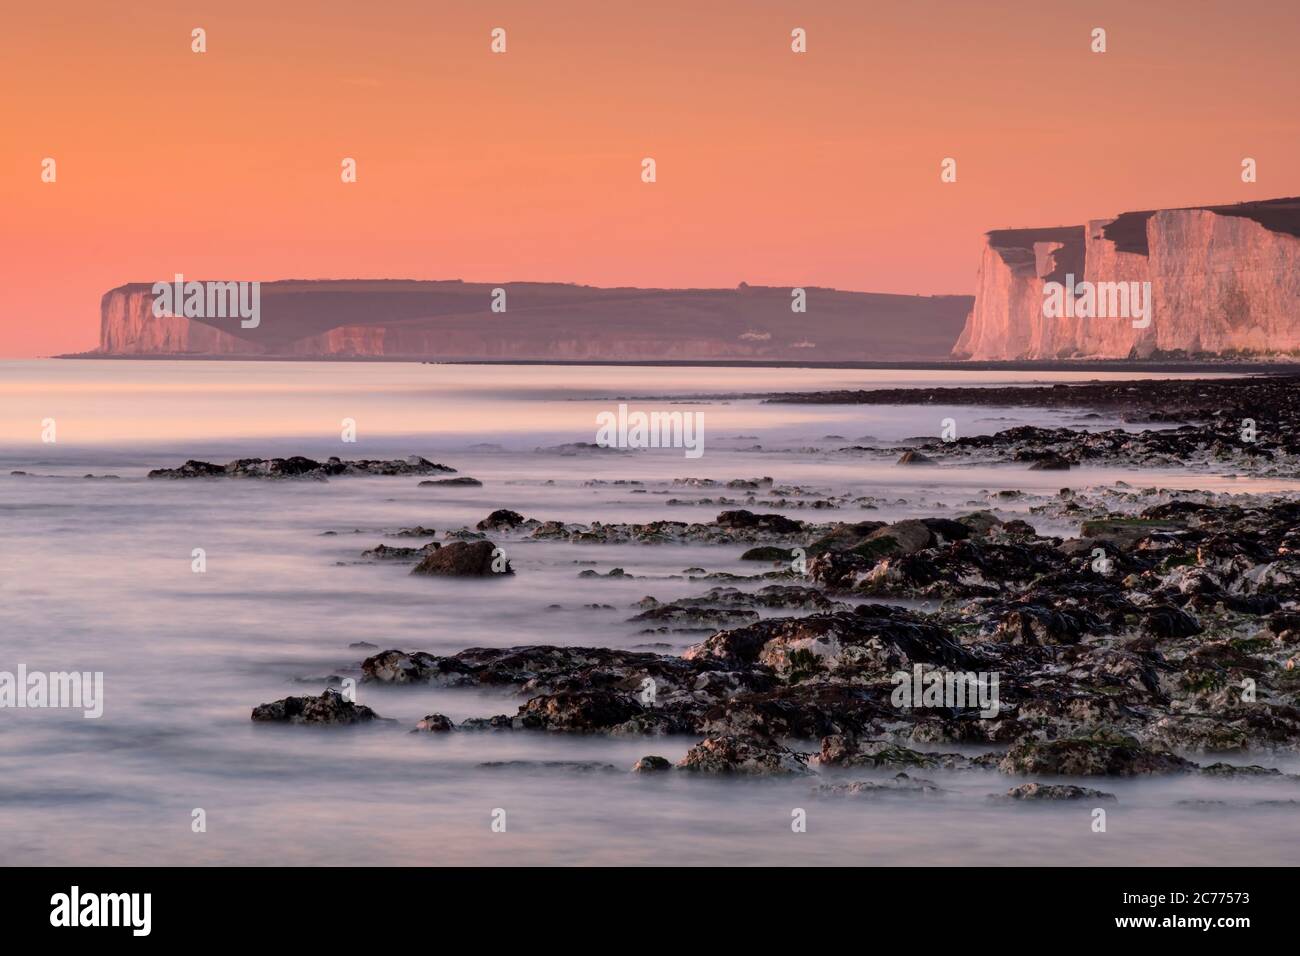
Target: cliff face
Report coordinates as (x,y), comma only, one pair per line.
(453,320)
(1223,279)
(129,327)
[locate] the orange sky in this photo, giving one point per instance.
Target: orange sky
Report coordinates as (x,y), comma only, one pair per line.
(814,169)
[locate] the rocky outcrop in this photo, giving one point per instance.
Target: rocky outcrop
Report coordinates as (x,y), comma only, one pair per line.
(330,707)
(300,467)
(451,320)
(1223,280)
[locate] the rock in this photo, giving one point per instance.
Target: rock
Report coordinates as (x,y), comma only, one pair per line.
(462,482)
(500,520)
(651,764)
(767,553)
(738,755)
(872,641)
(435,724)
(1051,463)
(586,710)
(902,537)
(776,524)
(384,552)
(914,457)
(300,467)
(1123,532)
(900,785)
(844,537)
(1105,755)
(1052,792)
(847,750)
(463,559)
(1041,626)
(331,707)
(499,722)
(1234,770)
(980,522)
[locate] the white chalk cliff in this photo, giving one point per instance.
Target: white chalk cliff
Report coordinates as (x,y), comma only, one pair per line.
(1224,280)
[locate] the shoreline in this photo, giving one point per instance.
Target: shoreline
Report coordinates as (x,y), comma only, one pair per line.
(1279,366)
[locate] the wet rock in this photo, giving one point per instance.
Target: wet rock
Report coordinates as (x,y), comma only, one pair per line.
(499,722)
(561,766)
(300,467)
(1053,792)
(582,711)
(872,642)
(672,617)
(914,457)
(463,559)
(386,552)
(900,785)
(1165,620)
(847,750)
(1043,626)
(462,482)
(331,707)
(1234,770)
(844,537)
(980,523)
(805,711)
(500,520)
(1123,532)
(1051,463)
(434,724)
(767,553)
(651,764)
(739,755)
(1103,755)
(747,520)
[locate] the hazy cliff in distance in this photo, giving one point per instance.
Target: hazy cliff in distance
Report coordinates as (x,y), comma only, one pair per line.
(452,320)
(1224,280)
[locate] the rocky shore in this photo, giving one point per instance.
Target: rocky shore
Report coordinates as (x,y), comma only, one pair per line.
(1162,639)
(1237,425)
(1159,635)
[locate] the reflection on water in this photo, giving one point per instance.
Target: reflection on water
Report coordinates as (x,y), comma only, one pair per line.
(95,575)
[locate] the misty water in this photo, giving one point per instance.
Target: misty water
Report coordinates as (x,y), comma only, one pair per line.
(95,575)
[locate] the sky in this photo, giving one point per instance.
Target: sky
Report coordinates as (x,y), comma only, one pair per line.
(813,169)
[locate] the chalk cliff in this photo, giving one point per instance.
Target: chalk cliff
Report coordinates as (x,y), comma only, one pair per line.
(1224,280)
(453,320)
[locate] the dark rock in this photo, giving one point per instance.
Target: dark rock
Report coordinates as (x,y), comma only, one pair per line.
(651,764)
(330,707)
(1104,755)
(462,482)
(738,755)
(435,724)
(463,559)
(914,457)
(1052,792)
(501,519)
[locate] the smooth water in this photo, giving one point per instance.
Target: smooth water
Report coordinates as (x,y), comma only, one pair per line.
(95,575)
